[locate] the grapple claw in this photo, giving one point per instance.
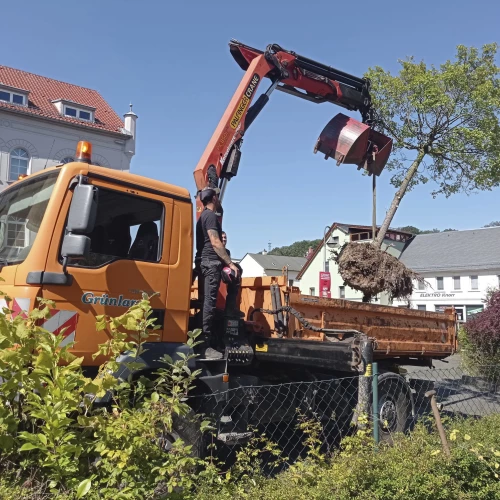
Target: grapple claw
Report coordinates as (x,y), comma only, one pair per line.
(347,140)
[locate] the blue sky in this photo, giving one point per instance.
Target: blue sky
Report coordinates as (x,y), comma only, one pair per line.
(172,61)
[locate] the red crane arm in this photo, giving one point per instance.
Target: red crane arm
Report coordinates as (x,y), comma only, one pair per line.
(288,72)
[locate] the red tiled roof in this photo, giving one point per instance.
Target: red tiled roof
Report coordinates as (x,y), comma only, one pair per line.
(42,91)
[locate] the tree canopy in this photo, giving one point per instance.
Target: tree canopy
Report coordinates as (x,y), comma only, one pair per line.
(416,230)
(297,249)
(444,122)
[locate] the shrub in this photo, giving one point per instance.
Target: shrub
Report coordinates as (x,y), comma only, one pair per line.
(480,340)
(58,439)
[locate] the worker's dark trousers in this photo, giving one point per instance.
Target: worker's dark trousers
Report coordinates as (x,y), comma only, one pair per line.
(209,282)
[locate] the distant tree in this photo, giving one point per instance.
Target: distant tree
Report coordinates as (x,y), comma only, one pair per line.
(297,249)
(416,230)
(444,120)
(495,223)
(410,229)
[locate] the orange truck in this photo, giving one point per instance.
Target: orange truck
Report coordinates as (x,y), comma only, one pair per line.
(93,240)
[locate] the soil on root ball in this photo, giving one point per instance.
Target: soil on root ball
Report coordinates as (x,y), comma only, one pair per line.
(370,270)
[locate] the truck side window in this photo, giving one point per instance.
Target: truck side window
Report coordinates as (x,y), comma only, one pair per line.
(127,227)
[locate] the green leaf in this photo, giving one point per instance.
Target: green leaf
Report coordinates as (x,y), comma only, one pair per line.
(155,397)
(83,488)
(44,360)
(28,446)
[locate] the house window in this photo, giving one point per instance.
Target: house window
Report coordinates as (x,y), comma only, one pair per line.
(12,97)
(421,307)
(342,292)
(19,163)
(421,285)
(312,291)
(290,283)
(474,283)
(327,266)
(77,113)
(16,233)
(440,283)
(68,159)
(456,282)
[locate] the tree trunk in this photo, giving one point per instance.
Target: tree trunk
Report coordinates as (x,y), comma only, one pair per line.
(397,199)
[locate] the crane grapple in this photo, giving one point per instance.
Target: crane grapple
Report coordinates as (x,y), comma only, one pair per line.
(348,141)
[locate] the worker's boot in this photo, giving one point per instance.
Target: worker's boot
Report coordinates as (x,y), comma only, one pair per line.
(205,351)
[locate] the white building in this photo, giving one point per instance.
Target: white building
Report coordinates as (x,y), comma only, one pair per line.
(42,120)
(256,265)
(458,267)
(339,234)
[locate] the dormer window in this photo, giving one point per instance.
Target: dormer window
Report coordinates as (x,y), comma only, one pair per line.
(13,95)
(75,110)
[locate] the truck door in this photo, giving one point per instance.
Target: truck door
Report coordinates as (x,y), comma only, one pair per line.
(129,254)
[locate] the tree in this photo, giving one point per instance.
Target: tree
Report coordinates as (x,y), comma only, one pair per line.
(297,249)
(416,230)
(495,223)
(444,124)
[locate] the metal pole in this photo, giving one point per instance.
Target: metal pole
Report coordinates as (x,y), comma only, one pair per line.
(375,404)
(374,211)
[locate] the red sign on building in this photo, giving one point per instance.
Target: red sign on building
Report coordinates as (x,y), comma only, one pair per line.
(324,285)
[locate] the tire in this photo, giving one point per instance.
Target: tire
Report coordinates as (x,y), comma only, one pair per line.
(394,407)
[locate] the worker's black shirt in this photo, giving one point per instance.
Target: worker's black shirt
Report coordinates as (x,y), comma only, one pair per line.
(204,249)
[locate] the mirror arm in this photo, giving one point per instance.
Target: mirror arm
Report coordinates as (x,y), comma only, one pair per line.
(65,265)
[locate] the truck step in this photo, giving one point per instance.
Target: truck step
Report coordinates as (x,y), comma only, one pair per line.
(233,438)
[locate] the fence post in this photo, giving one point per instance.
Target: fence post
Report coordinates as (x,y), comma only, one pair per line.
(364,382)
(375,404)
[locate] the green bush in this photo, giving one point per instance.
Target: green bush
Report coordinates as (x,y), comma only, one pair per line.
(59,440)
(412,468)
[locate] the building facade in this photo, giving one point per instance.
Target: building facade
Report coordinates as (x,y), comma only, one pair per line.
(256,265)
(459,267)
(42,120)
(339,234)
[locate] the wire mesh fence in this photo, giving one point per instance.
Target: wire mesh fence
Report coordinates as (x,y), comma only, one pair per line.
(283,414)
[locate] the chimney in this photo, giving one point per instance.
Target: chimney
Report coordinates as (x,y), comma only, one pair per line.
(309,253)
(129,124)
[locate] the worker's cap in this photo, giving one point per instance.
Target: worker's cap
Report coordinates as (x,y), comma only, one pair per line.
(208,192)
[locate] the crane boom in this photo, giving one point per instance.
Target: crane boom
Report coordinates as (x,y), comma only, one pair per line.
(344,139)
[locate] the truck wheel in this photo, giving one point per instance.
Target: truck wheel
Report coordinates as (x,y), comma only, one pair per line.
(394,407)
(186,428)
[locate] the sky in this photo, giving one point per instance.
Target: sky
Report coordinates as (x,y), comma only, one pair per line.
(172,61)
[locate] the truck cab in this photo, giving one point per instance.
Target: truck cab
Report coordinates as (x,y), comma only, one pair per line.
(140,240)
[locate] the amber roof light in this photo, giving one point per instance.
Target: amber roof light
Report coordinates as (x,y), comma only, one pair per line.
(84,152)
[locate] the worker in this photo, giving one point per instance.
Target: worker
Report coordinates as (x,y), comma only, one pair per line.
(233,285)
(212,257)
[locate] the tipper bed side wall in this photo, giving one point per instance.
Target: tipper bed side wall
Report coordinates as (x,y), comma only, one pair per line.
(397,331)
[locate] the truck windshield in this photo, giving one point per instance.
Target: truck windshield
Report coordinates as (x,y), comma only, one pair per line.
(21,213)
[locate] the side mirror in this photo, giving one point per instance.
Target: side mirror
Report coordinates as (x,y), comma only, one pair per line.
(83,210)
(81,221)
(75,245)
